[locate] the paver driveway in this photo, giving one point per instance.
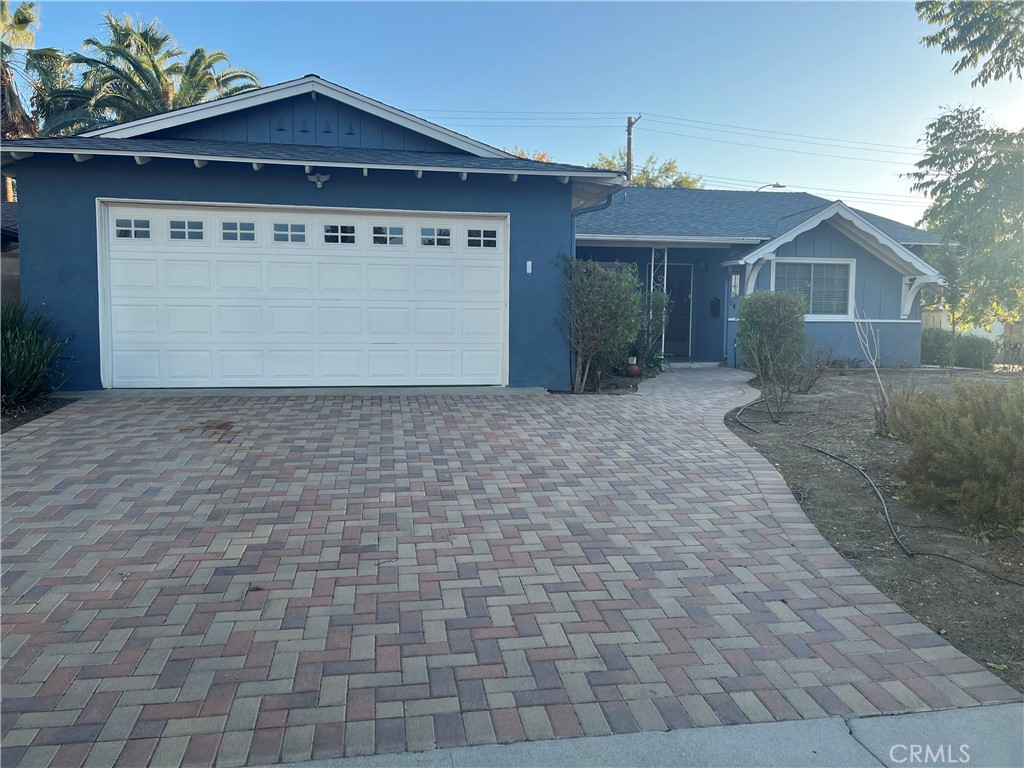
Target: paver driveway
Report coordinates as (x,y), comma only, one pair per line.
(247,580)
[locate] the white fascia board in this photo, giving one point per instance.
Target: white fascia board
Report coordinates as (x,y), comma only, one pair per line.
(667,239)
(595,177)
(308,84)
(884,246)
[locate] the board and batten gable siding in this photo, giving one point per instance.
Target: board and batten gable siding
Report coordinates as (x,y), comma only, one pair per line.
(877,290)
(301,121)
(59,237)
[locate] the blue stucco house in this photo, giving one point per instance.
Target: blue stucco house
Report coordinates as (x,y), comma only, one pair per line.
(709,248)
(303,234)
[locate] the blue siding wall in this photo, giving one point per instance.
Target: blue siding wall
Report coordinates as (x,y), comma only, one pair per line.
(709,283)
(59,252)
(877,291)
(300,120)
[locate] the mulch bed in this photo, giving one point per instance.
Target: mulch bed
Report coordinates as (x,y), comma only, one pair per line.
(9,421)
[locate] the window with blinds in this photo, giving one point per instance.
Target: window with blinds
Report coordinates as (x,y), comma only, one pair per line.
(825,287)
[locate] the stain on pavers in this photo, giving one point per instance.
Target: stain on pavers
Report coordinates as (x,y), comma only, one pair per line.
(357,575)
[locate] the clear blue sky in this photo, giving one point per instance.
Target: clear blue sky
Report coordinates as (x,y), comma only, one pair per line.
(844,72)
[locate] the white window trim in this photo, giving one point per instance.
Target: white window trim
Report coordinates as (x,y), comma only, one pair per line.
(498,244)
(307,231)
(852,263)
(204,240)
(222,220)
(407,228)
(357,233)
(453,235)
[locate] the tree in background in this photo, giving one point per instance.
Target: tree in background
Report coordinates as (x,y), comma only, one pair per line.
(992,30)
(18,55)
(136,71)
(651,173)
(530,154)
(974,172)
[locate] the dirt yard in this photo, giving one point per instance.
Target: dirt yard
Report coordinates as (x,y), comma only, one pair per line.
(977,613)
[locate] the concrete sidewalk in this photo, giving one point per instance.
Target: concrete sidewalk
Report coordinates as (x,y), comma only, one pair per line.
(982,737)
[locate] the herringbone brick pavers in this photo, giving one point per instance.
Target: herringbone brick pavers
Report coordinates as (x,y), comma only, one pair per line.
(235,581)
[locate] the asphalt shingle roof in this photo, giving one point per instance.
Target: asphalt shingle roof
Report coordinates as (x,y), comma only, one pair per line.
(646,211)
(294,153)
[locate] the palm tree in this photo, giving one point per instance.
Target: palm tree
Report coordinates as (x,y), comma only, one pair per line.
(139,71)
(17,36)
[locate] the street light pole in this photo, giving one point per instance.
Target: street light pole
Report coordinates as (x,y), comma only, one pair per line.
(776,185)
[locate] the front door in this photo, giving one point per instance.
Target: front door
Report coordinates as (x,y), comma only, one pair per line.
(679,285)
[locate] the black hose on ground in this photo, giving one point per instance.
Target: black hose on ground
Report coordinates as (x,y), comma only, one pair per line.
(885,506)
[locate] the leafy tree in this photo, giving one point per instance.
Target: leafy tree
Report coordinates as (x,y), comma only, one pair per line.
(987,31)
(138,71)
(18,54)
(539,155)
(651,173)
(973,172)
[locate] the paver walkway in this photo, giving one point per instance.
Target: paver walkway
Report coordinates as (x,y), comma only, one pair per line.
(252,580)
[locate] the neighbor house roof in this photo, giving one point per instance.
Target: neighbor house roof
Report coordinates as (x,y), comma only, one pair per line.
(9,220)
(718,215)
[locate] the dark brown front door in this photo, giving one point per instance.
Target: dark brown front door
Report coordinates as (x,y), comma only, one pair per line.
(677,335)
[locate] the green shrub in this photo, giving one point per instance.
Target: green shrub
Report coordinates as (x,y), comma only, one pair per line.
(30,356)
(971,351)
(601,317)
(967,453)
(772,345)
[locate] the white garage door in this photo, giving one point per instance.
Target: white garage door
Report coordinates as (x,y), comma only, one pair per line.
(232,296)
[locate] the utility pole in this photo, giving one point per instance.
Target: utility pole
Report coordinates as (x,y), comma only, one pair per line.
(630,122)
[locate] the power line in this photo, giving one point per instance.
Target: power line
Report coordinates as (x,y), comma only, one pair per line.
(754,182)
(777,149)
(795,141)
(785,133)
(684,120)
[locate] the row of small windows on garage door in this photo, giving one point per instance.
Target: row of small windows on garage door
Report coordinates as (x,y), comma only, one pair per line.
(332,232)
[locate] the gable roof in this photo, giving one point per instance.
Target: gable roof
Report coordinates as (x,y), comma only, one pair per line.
(719,215)
(852,224)
(311,84)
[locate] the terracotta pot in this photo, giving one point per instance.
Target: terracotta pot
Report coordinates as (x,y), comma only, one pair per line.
(633,370)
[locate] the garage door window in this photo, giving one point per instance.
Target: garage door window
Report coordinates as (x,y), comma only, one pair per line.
(388,235)
(126,229)
(435,236)
(289,233)
(340,234)
(482,238)
(182,229)
(238,231)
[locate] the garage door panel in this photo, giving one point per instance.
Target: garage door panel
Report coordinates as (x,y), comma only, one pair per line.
(136,319)
(291,320)
(341,279)
(134,275)
(214,313)
(181,275)
(290,277)
(235,276)
(189,320)
(290,364)
(189,365)
(240,321)
(241,364)
(341,321)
